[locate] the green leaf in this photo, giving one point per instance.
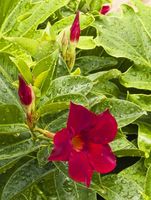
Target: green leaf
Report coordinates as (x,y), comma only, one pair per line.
(23,69)
(143,100)
(6,7)
(37,48)
(8,68)
(105,75)
(148,184)
(68,189)
(58,124)
(58,187)
(7,95)
(137,77)
(28,44)
(122,147)
(144,137)
(45,64)
(13,128)
(76,98)
(43,154)
(52,108)
(61,68)
(19,149)
(11,114)
(126,35)
(86,42)
(95,99)
(24,177)
(126,185)
(88,64)
(44,72)
(105,87)
(15,51)
(18,23)
(69,84)
(96,5)
(85,21)
(7,164)
(124,111)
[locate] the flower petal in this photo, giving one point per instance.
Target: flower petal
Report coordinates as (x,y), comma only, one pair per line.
(101,158)
(62,146)
(80,169)
(104,130)
(79,118)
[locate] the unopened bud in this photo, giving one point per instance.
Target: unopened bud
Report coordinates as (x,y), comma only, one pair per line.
(64,45)
(75,29)
(25,92)
(105,9)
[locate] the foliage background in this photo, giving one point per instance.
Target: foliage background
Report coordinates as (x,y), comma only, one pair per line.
(114,57)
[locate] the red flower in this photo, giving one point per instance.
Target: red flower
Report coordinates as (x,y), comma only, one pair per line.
(105,9)
(75,29)
(84,143)
(25,92)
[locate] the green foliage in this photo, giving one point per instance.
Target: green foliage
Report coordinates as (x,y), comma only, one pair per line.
(112,71)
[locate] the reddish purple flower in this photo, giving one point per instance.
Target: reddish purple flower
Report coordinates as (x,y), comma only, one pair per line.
(75,29)
(25,92)
(105,9)
(84,143)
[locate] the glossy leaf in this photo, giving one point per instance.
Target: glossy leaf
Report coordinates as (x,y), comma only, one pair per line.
(89,64)
(52,108)
(105,75)
(7,95)
(148,184)
(125,112)
(45,64)
(144,138)
(123,147)
(144,101)
(24,177)
(77,98)
(23,69)
(126,35)
(69,84)
(5,8)
(137,77)
(18,149)
(85,21)
(86,42)
(68,189)
(126,185)
(13,128)
(7,164)
(106,87)
(11,114)
(37,13)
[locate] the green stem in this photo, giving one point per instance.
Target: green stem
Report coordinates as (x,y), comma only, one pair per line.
(44,132)
(40,192)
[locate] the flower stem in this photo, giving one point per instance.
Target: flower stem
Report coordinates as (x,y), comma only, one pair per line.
(45,132)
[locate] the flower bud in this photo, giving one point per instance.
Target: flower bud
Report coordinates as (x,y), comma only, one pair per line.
(25,92)
(75,29)
(105,9)
(64,43)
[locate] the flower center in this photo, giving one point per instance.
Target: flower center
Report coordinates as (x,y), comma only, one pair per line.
(77,143)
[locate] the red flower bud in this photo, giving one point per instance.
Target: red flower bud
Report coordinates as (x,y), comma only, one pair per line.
(75,29)
(105,9)
(25,92)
